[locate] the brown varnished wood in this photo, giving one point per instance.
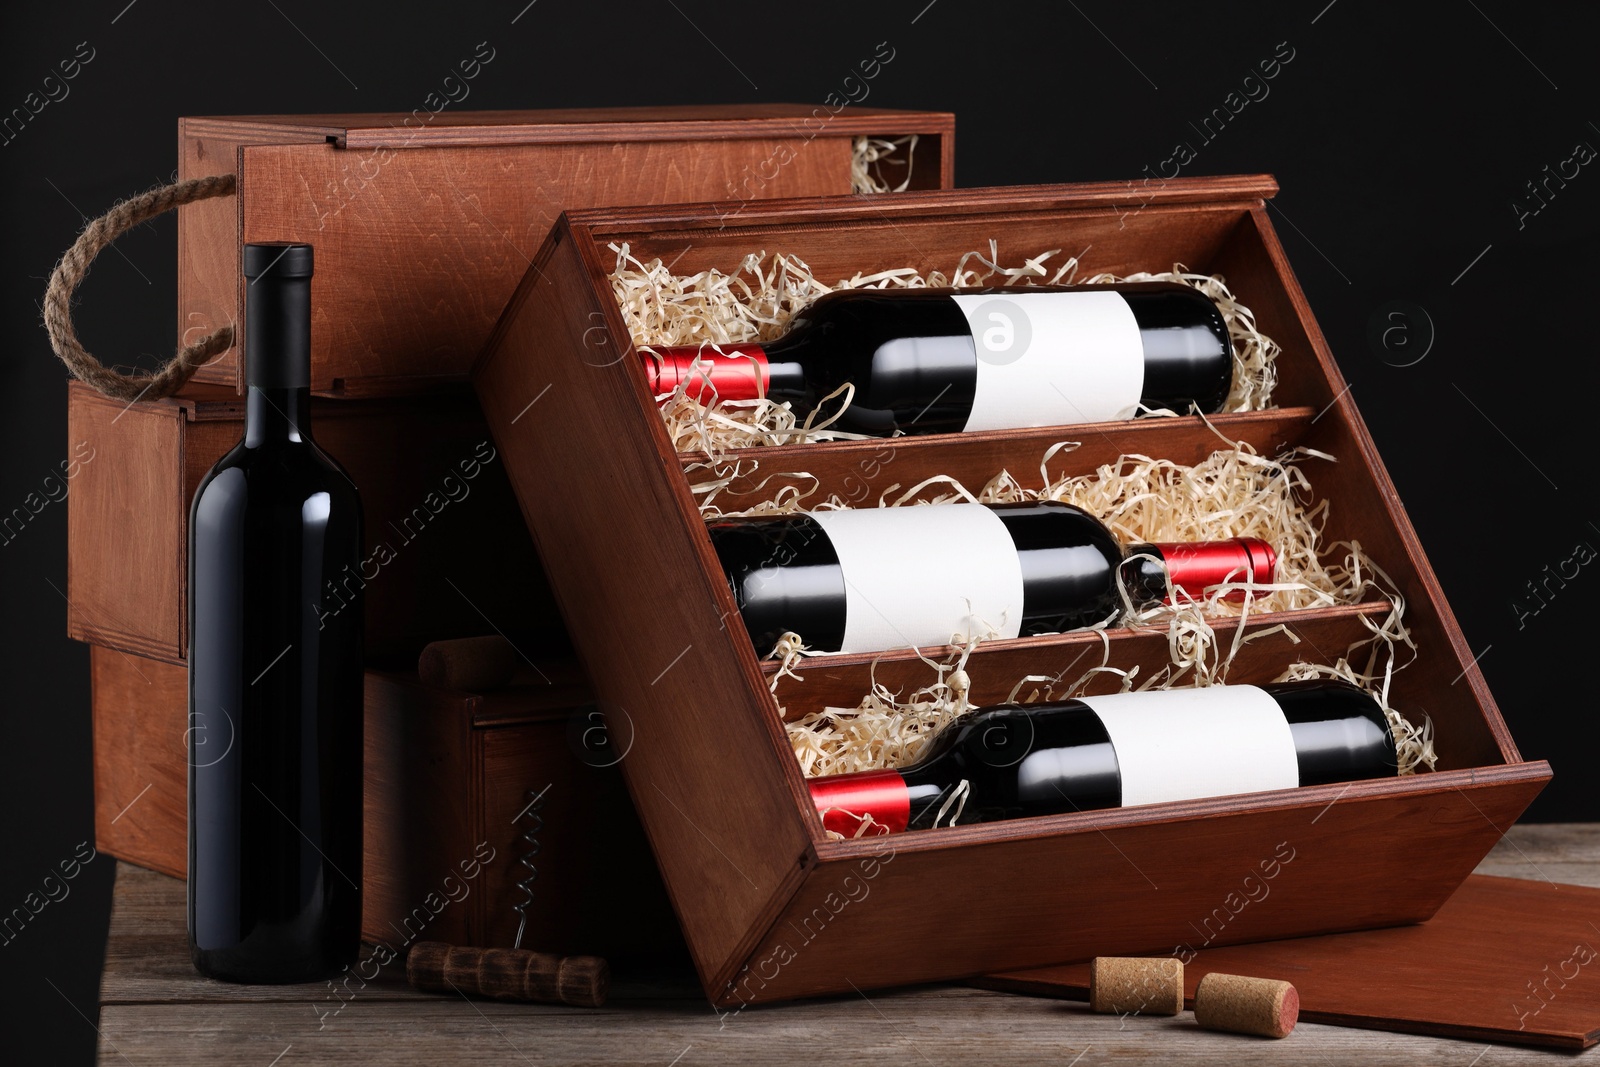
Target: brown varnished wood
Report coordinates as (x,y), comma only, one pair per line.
(455,231)
(639,582)
(733,837)
(568,125)
(1247,260)
(140,719)
(468,568)
(208,240)
(1502,960)
(442,796)
(127,518)
(422,227)
(863,472)
(995,668)
(1131,881)
(1128,200)
(1104,237)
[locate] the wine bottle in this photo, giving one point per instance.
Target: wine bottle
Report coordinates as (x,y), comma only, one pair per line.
(947,360)
(1016,760)
(869,579)
(275,678)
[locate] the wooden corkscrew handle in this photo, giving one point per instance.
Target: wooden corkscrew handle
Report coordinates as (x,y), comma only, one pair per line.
(508,974)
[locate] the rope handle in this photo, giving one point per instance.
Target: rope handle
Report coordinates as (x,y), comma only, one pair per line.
(74,266)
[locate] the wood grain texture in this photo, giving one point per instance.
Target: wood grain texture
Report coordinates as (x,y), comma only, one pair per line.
(650,614)
(139,712)
(423,227)
(995,669)
(1130,881)
(567,125)
(1508,960)
(127,520)
(863,472)
(446,553)
(738,837)
(157,1009)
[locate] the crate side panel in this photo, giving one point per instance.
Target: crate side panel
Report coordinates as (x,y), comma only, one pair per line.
(418,250)
(1346,862)
(125,524)
(599,487)
(141,766)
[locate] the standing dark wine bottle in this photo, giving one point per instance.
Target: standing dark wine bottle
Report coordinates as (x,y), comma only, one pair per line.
(949,360)
(1016,760)
(275,703)
(870,579)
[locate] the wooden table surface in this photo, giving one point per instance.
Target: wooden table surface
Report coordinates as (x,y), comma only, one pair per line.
(155,1009)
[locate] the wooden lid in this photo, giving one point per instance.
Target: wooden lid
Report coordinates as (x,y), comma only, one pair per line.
(1505,959)
(405,129)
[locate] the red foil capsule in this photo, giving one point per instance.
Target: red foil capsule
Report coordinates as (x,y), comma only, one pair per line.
(738,372)
(845,800)
(1196,565)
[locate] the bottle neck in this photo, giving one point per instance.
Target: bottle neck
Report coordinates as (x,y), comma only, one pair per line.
(276,414)
(277,358)
(1195,566)
(865,804)
(738,372)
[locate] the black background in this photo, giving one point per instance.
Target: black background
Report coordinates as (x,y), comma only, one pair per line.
(1401,135)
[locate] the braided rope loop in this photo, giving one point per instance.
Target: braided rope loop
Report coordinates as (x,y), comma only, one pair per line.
(74,266)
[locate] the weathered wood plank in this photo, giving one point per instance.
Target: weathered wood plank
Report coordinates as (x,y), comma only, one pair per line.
(932,1027)
(157,1009)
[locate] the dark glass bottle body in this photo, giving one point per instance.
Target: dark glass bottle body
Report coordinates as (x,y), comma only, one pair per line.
(1013,761)
(911,356)
(275,678)
(788,575)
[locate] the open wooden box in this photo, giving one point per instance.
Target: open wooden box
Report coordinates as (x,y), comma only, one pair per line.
(770,907)
(424,221)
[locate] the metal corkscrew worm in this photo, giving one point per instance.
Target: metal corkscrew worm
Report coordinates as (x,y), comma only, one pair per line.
(533,823)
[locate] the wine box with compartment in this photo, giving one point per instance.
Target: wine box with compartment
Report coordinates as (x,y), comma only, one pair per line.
(447,555)
(424,221)
(459,788)
(770,906)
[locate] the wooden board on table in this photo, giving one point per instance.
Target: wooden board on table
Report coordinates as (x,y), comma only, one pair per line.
(156,1009)
(1506,960)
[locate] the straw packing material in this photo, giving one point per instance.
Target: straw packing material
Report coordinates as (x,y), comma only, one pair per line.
(755,302)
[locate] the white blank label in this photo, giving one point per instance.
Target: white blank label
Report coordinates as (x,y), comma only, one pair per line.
(1186,744)
(922,575)
(1052,359)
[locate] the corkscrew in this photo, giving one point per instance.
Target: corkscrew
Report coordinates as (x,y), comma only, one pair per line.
(513,973)
(532,823)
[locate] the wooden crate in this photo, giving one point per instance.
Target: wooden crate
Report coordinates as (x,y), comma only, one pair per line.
(449,777)
(461,561)
(773,909)
(423,222)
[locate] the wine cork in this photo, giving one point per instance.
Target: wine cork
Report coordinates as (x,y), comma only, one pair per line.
(1126,985)
(508,974)
(470,664)
(1243,1005)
